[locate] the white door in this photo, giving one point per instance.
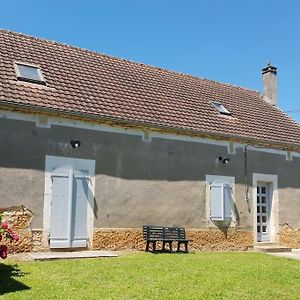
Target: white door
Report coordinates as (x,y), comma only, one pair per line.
(263,212)
(71,198)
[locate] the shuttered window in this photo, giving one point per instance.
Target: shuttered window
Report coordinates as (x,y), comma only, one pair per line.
(79,209)
(69,209)
(59,235)
(220,201)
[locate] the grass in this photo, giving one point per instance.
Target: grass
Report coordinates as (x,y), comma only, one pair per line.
(147,276)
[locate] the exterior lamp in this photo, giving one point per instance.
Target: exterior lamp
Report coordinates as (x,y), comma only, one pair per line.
(224,160)
(75,144)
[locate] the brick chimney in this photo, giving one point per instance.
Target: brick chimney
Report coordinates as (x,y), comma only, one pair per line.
(270,84)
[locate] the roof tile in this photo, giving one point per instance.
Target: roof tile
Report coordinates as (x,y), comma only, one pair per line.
(83,81)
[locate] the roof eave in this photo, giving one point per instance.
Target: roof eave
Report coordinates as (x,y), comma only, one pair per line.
(150,126)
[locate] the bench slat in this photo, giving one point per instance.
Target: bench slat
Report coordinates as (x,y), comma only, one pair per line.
(154,233)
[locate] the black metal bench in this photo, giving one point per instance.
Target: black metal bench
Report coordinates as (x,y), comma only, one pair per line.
(166,235)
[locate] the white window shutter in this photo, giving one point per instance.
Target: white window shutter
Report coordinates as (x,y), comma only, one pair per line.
(79,209)
(220,201)
(216,201)
(227,189)
(59,235)
(69,205)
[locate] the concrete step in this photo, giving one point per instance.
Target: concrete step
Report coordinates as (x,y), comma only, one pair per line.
(71,255)
(271,247)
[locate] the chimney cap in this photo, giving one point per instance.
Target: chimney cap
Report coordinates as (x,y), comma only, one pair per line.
(269,69)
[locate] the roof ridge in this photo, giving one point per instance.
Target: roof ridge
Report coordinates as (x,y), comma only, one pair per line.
(178,73)
(136,93)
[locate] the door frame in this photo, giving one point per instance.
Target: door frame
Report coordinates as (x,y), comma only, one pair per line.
(264,236)
(272,181)
(79,163)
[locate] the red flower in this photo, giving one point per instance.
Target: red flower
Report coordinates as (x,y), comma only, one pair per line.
(3,251)
(15,237)
(4,225)
(0,236)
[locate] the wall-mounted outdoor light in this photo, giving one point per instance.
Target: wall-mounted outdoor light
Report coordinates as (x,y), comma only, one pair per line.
(75,144)
(224,160)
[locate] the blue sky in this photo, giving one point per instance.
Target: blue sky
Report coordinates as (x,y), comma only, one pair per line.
(228,41)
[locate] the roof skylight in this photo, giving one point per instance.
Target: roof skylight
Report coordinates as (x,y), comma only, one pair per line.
(29,73)
(221,108)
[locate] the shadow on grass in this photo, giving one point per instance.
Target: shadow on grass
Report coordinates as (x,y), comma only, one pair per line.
(8,283)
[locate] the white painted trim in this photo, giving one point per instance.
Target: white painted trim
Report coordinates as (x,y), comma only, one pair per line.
(69,123)
(42,122)
(261,149)
(220,179)
(147,137)
(295,154)
(186,138)
(67,162)
(231,149)
(274,198)
(106,128)
(289,155)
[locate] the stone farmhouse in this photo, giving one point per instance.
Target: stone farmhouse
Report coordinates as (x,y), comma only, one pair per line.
(92,147)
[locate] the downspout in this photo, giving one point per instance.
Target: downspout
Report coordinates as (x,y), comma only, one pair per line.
(246,183)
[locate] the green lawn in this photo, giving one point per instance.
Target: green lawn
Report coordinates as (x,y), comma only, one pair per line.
(147,276)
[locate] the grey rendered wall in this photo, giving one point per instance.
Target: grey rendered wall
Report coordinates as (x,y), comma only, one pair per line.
(137,182)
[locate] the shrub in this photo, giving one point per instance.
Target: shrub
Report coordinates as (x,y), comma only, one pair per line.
(6,233)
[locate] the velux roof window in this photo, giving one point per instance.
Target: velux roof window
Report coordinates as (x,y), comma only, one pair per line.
(221,108)
(29,73)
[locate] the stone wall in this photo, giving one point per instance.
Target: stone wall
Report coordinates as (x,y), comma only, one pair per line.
(19,219)
(289,236)
(205,240)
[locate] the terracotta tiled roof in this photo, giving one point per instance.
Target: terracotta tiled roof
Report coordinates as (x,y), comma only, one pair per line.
(82,81)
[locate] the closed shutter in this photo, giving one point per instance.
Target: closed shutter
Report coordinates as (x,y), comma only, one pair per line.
(216,201)
(68,226)
(227,201)
(79,209)
(59,235)
(220,201)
